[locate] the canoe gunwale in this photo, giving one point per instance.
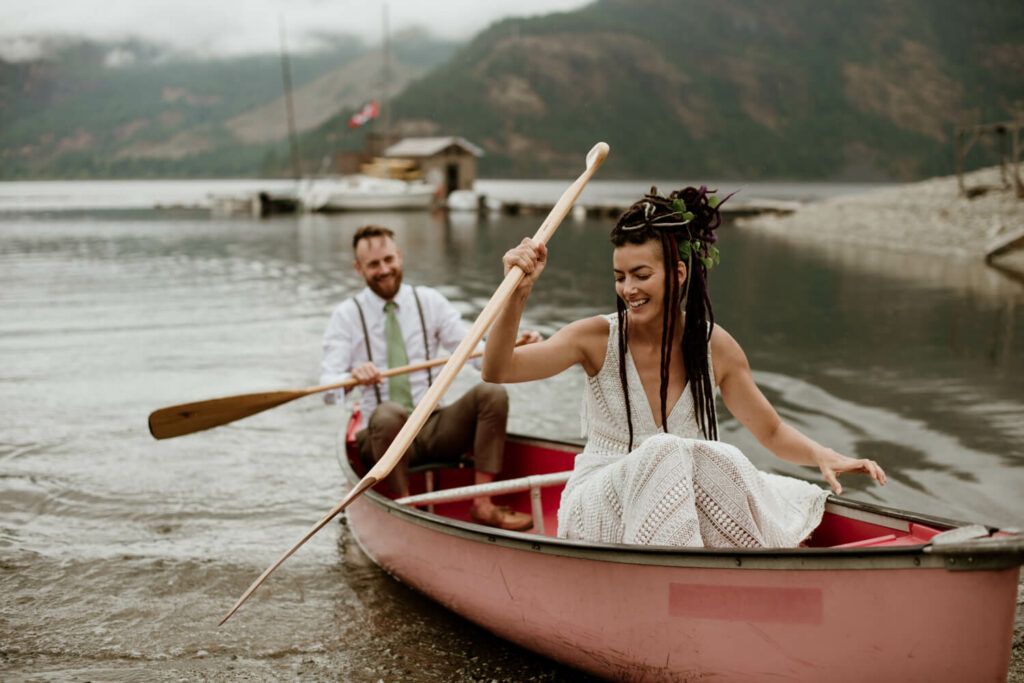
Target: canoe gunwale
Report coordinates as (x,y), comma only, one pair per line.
(989,552)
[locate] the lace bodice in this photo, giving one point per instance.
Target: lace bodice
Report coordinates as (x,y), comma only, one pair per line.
(604,407)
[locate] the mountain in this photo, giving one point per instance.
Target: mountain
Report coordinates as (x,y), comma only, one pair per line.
(131,110)
(802,89)
(732,88)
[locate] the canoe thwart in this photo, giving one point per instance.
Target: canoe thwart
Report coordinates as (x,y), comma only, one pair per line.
(495,488)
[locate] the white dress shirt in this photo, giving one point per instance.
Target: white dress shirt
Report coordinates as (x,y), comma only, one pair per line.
(345,344)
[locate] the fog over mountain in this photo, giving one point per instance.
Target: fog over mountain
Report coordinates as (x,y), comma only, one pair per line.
(244,27)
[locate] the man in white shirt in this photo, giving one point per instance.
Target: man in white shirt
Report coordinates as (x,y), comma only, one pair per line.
(357,340)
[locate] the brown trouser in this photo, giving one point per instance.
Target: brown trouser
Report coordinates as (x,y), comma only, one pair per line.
(474,422)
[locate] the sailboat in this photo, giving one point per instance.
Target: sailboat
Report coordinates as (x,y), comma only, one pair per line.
(383,185)
(360,192)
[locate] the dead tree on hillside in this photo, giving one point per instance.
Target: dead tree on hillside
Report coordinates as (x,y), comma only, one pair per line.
(966,136)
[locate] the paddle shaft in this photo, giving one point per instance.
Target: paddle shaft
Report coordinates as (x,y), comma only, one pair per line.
(455,362)
(351,382)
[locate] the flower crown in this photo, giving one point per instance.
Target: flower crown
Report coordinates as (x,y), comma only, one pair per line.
(691,214)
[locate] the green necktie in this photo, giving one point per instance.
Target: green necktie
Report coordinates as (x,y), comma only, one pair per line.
(399,388)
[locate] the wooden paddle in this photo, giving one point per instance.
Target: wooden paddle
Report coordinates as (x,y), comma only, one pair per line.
(455,362)
(172,421)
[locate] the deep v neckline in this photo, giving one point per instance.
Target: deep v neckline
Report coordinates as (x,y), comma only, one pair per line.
(634,374)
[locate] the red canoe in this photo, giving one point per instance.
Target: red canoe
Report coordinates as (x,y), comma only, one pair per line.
(880,594)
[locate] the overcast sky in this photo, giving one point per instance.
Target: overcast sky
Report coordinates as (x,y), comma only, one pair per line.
(229,27)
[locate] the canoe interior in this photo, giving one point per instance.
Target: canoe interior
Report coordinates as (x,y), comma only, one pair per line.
(840,527)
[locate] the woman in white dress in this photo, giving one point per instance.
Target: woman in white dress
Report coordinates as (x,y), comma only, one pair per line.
(653,471)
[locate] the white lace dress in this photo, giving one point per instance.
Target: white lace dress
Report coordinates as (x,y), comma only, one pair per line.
(675,489)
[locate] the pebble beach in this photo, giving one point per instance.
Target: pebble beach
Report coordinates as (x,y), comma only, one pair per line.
(927,217)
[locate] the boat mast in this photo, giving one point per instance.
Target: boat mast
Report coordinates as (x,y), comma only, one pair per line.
(286,74)
(387,80)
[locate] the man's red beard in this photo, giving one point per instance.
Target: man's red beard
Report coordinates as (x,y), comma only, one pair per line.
(389,290)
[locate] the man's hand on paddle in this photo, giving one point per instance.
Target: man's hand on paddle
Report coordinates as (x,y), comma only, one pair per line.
(367,373)
(531,257)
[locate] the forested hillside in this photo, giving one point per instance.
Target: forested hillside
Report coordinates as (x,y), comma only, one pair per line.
(747,88)
(798,89)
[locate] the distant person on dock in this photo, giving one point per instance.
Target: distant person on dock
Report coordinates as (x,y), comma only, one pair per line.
(395,324)
(653,471)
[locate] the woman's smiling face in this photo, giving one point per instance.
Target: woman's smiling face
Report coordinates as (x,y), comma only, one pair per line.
(640,280)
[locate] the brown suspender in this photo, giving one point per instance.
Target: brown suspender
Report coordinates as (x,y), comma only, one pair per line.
(426,343)
(366,337)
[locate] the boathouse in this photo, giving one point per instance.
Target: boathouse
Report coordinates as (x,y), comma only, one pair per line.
(450,162)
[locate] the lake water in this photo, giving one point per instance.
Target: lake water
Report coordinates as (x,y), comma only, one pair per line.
(119,554)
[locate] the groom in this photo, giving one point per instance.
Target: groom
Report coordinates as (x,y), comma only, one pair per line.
(395,324)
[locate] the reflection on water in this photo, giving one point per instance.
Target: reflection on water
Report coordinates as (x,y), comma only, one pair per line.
(118,553)
(962,273)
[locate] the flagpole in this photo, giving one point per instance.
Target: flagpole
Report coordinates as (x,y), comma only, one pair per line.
(286,73)
(387,81)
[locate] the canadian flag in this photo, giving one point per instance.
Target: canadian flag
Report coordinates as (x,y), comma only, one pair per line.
(369,111)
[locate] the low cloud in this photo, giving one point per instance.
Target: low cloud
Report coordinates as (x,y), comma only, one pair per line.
(233,27)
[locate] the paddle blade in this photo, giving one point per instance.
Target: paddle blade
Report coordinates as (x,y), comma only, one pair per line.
(187,418)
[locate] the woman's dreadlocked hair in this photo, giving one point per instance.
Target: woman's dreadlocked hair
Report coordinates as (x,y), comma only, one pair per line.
(684,224)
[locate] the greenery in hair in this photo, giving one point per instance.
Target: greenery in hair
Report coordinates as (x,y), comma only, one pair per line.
(689,245)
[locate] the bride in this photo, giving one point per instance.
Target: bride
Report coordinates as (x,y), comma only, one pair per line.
(653,471)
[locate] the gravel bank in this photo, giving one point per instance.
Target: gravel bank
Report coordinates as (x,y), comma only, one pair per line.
(928,217)
(1016,673)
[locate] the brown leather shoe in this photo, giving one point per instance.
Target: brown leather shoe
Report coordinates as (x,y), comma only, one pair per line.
(503,517)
